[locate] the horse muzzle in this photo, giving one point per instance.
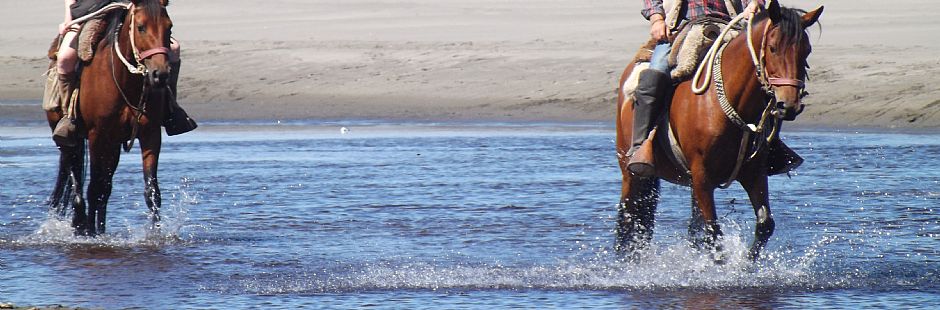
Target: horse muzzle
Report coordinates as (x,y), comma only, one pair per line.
(787,112)
(157,78)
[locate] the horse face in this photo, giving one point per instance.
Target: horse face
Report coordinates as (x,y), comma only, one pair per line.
(151,27)
(786,69)
(785,53)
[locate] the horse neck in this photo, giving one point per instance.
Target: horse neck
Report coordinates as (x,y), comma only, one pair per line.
(741,84)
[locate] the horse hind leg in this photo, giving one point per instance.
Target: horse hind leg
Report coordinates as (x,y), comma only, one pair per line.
(76,177)
(636,214)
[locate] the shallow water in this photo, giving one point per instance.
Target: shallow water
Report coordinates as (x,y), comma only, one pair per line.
(477,216)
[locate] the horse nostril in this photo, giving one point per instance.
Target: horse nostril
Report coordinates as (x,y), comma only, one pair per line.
(157,77)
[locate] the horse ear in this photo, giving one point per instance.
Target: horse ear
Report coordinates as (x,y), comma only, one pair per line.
(773,10)
(810,18)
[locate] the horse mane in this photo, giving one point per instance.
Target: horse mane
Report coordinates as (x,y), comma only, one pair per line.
(791,30)
(116,18)
(790,24)
(153,7)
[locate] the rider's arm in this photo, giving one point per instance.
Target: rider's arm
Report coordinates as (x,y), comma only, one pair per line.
(750,6)
(653,11)
(653,7)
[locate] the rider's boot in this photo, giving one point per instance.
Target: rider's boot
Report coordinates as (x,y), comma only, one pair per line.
(649,96)
(176,120)
(781,158)
(65,133)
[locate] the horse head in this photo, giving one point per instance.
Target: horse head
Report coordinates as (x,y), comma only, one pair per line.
(784,49)
(149,28)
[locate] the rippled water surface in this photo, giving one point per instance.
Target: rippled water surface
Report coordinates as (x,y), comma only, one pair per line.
(479,216)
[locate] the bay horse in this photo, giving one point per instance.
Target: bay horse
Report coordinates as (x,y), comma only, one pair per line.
(759,76)
(120,99)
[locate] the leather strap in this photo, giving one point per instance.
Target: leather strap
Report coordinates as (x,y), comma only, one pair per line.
(154,51)
(786,82)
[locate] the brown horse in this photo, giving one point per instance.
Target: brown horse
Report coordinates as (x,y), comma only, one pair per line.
(767,85)
(120,97)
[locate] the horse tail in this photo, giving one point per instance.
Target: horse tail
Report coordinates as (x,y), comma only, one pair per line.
(71,173)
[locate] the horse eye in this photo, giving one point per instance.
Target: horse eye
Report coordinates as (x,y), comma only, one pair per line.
(140,29)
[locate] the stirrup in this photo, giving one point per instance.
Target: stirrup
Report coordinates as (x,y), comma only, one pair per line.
(782,159)
(179,122)
(641,161)
(65,133)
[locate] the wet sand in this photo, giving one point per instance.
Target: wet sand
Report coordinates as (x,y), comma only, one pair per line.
(528,60)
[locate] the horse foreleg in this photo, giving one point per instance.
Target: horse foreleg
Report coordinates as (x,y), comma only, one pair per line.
(696,225)
(636,214)
(104,154)
(756,188)
(150,140)
(704,194)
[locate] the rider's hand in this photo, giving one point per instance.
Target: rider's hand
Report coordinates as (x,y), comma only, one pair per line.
(62,28)
(658,28)
(751,9)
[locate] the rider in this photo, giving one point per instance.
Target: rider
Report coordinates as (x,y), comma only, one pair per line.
(654,83)
(176,120)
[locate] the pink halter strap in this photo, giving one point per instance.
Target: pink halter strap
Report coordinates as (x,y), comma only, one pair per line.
(153,51)
(785,82)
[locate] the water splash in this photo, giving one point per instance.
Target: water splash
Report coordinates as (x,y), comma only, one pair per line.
(58,231)
(672,266)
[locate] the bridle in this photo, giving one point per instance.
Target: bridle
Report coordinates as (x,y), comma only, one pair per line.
(140,69)
(770,117)
(768,82)
(139,56)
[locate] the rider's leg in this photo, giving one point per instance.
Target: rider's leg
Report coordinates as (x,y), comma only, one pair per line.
(781,158)
(649,96)
(66,61)
(176,120)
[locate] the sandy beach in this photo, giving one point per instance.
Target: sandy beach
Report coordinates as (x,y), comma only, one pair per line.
(526,60)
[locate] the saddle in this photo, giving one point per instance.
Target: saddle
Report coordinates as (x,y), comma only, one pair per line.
(689,47)
(90,35)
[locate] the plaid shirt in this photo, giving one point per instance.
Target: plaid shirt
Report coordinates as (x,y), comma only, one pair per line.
(695,8)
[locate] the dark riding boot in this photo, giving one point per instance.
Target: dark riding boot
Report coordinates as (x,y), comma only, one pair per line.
(649,96)
(176,121)
(65,133)
(781,158)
